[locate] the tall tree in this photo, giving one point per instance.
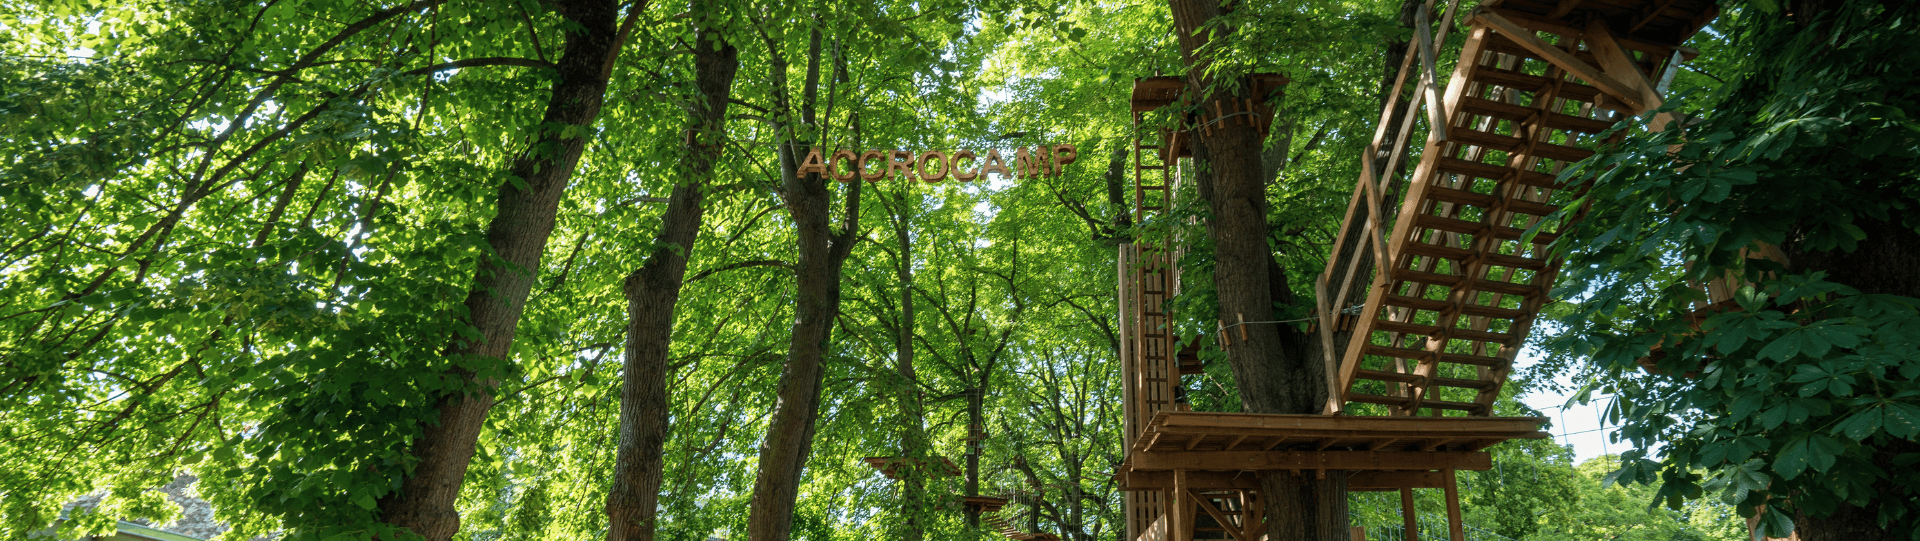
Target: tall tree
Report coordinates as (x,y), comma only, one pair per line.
(653,290)
(1274,367)
(823,249)
(524,217)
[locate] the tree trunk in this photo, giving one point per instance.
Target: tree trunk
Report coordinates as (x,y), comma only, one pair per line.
(517,236)
(652,291)
(822,251)
(1884,263)
(914,445)
(975,440)
(1272,367)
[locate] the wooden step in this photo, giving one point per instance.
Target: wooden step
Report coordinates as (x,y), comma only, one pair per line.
(1530,207)
(1480,384)
(1520,113)
(1530,83)
(1378,399)
(1451,225)
(1395,377)
(1409,275)
(1557,151)
(1479,138)
(1411,329)
(1501,110)
(1514,261)
(1493,311)
(1460,197)
(1415,303)
(1436,250)
(1473,169)
(1541,180)
(1508,288)
(1456,406)
(1514,233)
(1475,360)
(1481,336)
(1399,353)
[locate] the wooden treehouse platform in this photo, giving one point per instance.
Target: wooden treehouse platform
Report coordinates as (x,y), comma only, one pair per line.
(1434,282)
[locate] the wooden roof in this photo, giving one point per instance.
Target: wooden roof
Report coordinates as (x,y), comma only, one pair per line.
(1652,22)
(1183,431)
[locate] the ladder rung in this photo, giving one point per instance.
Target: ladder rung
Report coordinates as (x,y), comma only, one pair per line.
(1378,399)
(1480,384)
(1379,375)
(1476,360)
(1493,311)
(1399,353)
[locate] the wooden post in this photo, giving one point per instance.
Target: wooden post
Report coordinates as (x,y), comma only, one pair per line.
(1359,533)
(1411,520)
(1454,528)
(1179,524)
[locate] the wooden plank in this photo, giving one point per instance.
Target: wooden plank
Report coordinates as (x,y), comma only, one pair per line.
(1181,527)
(1454,527)
(1312,460)
(1398,353)
(1619,64)
(1409,275)
(1566,61)
(1479,138)
(1407,514)
(1163,480)
(1461,197)
(1509,288)
(1415,303)
(1429,75)
(1362,480)
(1396,377)
(1281,421)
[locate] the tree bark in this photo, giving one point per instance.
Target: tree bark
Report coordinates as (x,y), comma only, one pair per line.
(1272,367)
(822,252)
(1882,263)
(652,291)
(517,236)
(914,445)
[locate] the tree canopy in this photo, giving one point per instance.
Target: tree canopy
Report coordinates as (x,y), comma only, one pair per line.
(507,269)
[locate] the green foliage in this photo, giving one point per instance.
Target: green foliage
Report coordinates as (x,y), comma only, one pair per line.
(1801,392)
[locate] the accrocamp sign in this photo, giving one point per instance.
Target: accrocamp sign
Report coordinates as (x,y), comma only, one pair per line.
(936,165)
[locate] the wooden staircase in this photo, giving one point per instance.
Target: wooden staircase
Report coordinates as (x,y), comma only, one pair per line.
(1466,267)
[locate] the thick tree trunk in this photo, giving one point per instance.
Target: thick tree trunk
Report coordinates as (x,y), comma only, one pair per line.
(652,291)
(1272,367)
(517,236)
(822,252)
(1884,262)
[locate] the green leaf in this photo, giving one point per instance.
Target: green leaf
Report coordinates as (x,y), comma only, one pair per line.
(1793,459)
(1861,425)
(1902,420)
(364,500)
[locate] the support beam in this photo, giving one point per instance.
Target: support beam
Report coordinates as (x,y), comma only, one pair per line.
(1411,520)
(1312,460)
(1454,527)
(1198,480)
(1564,60)
(1393,480)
